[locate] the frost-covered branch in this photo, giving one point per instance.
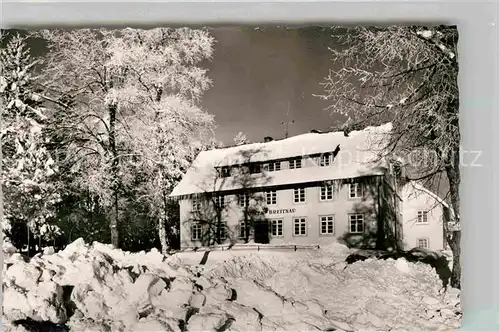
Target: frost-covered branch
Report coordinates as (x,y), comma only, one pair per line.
(408,76)
(133,117)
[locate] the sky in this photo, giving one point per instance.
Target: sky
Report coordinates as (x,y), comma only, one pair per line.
(260,75)
(256,73)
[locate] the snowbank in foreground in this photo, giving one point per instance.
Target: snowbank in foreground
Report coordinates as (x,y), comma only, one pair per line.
(373,294)
(322,292)
(96,288)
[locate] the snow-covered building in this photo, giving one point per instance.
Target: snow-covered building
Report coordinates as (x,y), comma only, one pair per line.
(424,217)
(312,188)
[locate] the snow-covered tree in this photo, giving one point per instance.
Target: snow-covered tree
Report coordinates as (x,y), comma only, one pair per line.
(240,139)
(211,144)
(79,68)
(166,153)
(406,75)
(171,125)
(29,184)
(135,94)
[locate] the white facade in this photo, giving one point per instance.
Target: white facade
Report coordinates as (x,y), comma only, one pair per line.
(306,214)
(307,189)
(424,215)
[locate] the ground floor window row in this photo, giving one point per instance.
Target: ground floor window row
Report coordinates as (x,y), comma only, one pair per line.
(198,231)
(276,227)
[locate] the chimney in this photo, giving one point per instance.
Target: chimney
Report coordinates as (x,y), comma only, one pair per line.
(336,151)
(268,139)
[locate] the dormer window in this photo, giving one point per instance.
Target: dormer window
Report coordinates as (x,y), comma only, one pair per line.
(255,168)
(325,160)
(225,172)
(295,163)
(242,169)
(272,166)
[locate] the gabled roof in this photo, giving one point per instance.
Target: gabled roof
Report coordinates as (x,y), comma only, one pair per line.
(356,158)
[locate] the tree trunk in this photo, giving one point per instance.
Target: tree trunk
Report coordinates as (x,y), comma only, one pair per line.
(381,231)
(162,223)
(28,228)
(456,272)
(162,233)
(113,224)
(247,235)
(219,225)
(454,235)
(162,226)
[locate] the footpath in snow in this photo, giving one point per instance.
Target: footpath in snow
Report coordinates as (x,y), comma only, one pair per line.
(96,288)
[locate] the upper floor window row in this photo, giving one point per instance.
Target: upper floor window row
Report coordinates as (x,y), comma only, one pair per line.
(227,171)
(270,197)
(323,160)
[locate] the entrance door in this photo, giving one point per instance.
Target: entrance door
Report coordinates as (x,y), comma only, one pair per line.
(261,231)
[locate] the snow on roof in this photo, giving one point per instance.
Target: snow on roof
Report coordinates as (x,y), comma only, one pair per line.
(356,158)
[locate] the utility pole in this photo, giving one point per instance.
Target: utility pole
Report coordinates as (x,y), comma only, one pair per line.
(287,122)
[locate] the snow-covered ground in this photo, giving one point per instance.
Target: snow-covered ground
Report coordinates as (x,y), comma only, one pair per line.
(217,256)
(95,288)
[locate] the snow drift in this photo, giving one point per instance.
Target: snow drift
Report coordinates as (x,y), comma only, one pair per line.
(97,288)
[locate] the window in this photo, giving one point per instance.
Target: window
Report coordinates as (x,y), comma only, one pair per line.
(244,200)
(355,190)
(195,232)
(225,172)
(220,201)
(423,243)
(277,227)
(325,160)
(356,223)
(299,227)
(422,217)
(271,197)
(295,163)
(326,225)
(326,192)
(273,166)
(196,205)
(243,169)
(242,230)
(222,228)
(299,195)
(255,168)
